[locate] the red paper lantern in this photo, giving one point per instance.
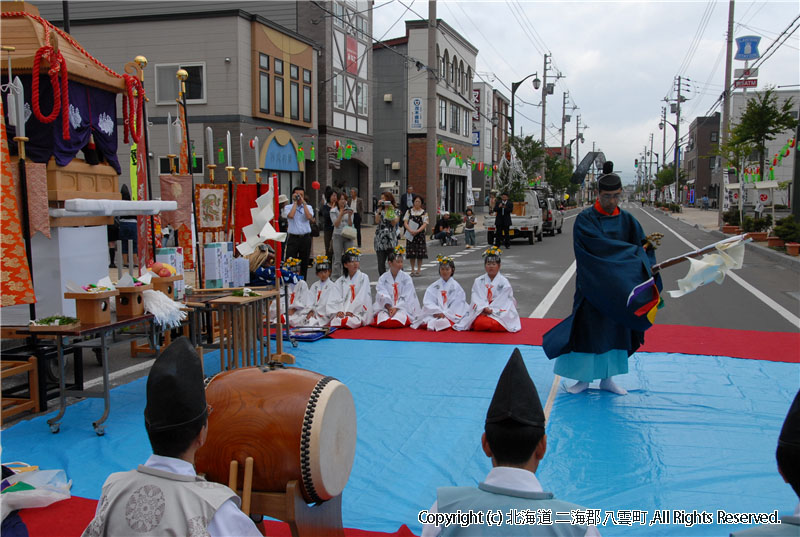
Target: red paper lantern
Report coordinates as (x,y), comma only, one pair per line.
(336,144)
(315,185)
(252,143)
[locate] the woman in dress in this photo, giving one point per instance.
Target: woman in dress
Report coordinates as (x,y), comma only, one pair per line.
(386,218)
(341,216)
(416,222)
(356,305)
(396,303)
(445,302)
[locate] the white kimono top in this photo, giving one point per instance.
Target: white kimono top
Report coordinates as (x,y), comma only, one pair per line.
(496,294)
(299,300)
(445,297)
(397,292)
(325,300)
(356,299)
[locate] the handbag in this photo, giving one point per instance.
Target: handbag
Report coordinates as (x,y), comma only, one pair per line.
(314,228)
(349,233)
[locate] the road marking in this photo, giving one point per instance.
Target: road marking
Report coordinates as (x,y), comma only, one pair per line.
(121,373)
(550,298)
(777,308)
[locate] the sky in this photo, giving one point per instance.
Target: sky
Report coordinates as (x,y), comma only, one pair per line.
(619,60)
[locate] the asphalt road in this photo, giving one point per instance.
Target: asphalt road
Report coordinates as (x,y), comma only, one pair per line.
(762,296)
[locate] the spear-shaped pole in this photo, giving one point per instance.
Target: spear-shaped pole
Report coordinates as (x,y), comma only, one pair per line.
(699,252)
(182,75)
(142,62)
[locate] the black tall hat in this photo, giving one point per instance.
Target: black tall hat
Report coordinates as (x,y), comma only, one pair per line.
(790,433)
(609,181)
(515,397)
(608,167)
(176,394)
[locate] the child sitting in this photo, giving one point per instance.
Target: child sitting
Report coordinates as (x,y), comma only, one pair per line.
(493,307)
(325,297)
(396,301)
(293,286)
(445,302)
(355,310)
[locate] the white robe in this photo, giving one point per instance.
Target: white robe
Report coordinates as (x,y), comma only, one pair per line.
(502,303)
(299,300)
(325,300)
(446,297)
(399,293)
(356,299)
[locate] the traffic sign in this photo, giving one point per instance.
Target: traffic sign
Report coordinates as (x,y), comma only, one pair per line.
(745,73)
(746,83)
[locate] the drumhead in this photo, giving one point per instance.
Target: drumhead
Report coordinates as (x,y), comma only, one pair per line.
(328,442)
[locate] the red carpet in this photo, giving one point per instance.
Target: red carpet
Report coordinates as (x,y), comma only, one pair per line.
(773,346)
(70,517)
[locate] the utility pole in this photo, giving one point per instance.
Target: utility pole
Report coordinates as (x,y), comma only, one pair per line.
(577,140)
(677,152)
(432,166)
(726,111)
(650,162)
(565,96)
(663,137)
(544,111)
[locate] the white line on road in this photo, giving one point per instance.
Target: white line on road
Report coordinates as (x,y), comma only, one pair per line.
(780,310)
(550,298)
(121,373)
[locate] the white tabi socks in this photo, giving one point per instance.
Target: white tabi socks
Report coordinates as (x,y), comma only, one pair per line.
(610,386)
(578,387)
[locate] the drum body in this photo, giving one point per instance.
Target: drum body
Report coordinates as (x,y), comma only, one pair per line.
(296,424)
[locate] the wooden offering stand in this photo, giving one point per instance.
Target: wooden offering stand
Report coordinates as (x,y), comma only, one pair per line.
(317,520)
(165,284)
(93,308)
(130,301)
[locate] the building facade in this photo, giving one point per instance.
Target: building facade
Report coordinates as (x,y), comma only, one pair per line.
(490,128)
(454,111)
(699,157)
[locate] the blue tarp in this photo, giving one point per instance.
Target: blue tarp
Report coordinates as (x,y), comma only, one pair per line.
(695,432)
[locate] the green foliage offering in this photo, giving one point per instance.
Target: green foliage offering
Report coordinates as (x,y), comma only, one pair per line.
(787,229)
(240,292)
(59,320)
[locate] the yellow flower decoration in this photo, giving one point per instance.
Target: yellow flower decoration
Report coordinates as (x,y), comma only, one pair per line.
(493,251)
(353,251)
(399,250)
(291,262)
(444,260)
(321,259)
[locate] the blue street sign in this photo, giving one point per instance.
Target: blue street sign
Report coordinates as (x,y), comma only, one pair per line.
(747,47)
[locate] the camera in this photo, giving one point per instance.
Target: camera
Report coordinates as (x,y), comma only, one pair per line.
(296,197)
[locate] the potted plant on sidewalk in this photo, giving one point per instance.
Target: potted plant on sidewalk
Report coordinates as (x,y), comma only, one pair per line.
(789,231)
(756,228)
(731,220)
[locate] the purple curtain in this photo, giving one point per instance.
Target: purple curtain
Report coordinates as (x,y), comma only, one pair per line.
(92,112)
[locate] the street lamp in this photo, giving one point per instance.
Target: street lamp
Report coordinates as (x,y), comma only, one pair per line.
(514,87)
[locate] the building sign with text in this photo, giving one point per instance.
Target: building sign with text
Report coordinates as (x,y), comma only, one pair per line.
(476,102)
(352,55)
(415,113)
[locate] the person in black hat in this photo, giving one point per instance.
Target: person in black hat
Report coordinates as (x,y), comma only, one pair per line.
(514,438)
(502,221)
(164,496)
(616,294)
(788,457)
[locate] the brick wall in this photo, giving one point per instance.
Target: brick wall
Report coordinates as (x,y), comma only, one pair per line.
(417,164)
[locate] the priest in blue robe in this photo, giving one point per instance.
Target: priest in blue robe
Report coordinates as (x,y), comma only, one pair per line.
(616,293)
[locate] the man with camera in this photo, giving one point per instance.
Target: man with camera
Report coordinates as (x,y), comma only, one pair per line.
(299,215)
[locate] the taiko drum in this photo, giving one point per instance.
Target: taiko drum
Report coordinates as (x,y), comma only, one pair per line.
(296,424)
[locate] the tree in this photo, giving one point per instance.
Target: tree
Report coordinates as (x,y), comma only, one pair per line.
(558,173)
(666,177)
(530,154)
(762,121)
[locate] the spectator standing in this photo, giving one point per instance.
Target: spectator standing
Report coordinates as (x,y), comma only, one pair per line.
(340,216)
(299,215)
(357,206)
(469,228)
(502,220)
(386,218)
(331,200)
(416,221)
(406,201)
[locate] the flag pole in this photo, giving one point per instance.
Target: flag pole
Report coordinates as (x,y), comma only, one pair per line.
(745,237)
(182,75)
(141,61)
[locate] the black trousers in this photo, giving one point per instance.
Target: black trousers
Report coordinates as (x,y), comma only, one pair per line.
(357,225)
(299,246)
(501,235)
